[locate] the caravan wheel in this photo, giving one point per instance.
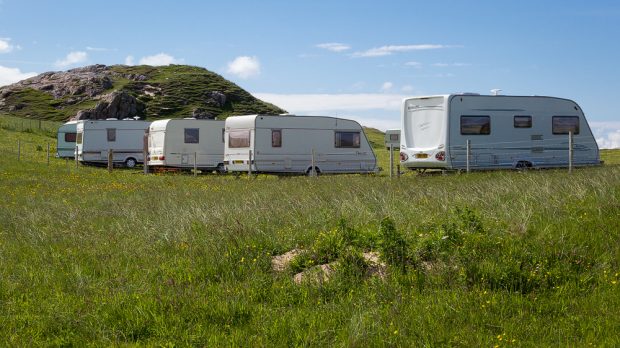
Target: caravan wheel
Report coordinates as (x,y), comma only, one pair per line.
(316,170)
(220,169)
(521,165)
(130,162)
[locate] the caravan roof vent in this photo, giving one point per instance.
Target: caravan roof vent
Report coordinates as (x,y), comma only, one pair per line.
(495,91)
(111,119)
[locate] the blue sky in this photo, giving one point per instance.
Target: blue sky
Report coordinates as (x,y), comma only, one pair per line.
(353,59)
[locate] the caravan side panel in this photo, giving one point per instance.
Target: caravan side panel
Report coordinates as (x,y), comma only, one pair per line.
(512,131)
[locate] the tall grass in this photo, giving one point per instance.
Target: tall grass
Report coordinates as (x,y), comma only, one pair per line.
(497,258)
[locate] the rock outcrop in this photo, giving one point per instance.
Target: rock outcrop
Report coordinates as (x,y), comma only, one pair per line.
(120,91)
(114,105)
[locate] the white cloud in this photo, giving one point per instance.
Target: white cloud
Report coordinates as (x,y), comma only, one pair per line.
(407,88)
(443,65)
(100,49)
(159,59)
(607,134)
(386,86)
(334,46)
(414,64)
(6,46)
(378,110)
(12,75)
(389,50)
(72,58)
(330,102)
(244,67)
(129,60)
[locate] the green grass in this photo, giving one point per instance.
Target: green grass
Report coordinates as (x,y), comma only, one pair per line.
(501,258)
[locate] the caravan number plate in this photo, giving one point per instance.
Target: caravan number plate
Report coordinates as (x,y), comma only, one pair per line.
(238,162)
(421,155)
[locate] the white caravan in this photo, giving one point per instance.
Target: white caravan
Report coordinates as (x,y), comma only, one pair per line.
(65,143)
(503,132)
(124,137)
(174,143)
(292,144)
(392,138)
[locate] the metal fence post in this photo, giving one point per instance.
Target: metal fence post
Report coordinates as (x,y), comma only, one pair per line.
(570,152)
(195,163)
(468,154)
(76,156)
(398,171)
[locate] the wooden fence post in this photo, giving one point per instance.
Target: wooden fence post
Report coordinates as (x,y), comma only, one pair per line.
(195,163)
(48,153)
(570,152)
(145,153)
(19,150)
(249,162)
(391,160)
(110,160)
(468,154)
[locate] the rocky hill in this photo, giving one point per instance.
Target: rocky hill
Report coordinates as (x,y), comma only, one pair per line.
(119,91)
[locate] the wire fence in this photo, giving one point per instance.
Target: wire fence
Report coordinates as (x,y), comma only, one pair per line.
(36,126)
(554,152)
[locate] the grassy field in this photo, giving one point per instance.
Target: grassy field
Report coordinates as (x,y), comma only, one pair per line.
(502,258)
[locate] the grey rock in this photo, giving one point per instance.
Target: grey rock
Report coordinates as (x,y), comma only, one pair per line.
(200,113)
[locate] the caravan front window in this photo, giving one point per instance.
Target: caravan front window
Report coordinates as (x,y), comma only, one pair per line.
(70,137)
(475,125)
(347,139)
(565,124)
(239,138)
(111,134)
(192,135)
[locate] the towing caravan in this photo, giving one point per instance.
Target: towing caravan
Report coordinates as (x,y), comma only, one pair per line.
(177,143)
(296,144)
(124,137)
(65,140)
(502,132)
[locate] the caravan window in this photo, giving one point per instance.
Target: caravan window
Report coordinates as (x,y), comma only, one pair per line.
(348,139)
(565,124)
(111,134)
(475,125)
(192,135)
(393,137)
(239,138)
(276,138)
(70,137)
(523,121)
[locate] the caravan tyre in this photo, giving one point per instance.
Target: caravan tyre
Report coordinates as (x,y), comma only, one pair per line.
(220,169)
(130,162)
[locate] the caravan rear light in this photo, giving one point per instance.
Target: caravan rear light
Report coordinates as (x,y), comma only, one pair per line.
(440,156)
(403,157)
(161,158)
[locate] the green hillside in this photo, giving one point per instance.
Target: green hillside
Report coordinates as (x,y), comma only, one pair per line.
(504,258)
(160,92)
